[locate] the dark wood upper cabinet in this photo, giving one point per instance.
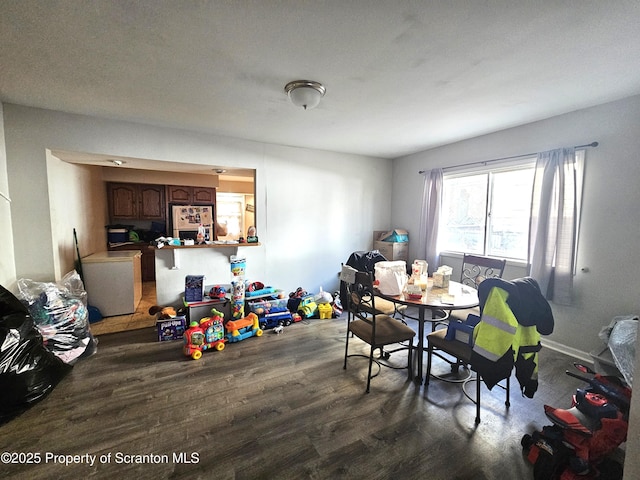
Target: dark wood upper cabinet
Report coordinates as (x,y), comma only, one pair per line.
(132,201)
(203,195)
(177,194)
(138,201)
(191,195)
(122,199)
(152,205)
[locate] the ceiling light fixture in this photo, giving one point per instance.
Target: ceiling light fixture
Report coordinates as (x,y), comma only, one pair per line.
(305,93)
(117,163)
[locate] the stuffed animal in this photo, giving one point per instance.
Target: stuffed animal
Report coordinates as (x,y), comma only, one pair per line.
(163,313)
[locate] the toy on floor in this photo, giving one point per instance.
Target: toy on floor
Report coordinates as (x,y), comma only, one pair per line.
(238,330)
(307,308)
(162,313)
(237,298)
(337,305)
(581,438)
(325,310)
(324,300)
(205,335)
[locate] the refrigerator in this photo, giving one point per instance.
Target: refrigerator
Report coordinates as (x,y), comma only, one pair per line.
(187,218)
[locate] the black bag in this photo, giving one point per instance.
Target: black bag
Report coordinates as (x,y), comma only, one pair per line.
(547,452)
(362,261)
(28,371)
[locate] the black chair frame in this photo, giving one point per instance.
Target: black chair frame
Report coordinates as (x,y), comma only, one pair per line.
(364,322)
(462,354)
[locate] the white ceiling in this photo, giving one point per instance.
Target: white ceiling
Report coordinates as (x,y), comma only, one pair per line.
(401,76)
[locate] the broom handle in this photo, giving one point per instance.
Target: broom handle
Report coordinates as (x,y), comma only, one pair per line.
(75,239)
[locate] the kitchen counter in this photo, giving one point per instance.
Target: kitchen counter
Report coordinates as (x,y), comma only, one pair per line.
(112,256)
(113,281)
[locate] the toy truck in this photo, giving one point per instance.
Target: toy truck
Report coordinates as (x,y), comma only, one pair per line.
(238,330)
(204,335)
(271,312)
(307,307)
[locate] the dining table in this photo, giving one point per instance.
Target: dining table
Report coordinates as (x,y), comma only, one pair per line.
(454,296)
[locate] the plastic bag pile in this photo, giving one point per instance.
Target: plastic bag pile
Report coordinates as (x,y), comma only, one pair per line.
(28,371)
(42,335)
(621,336)
(60,313)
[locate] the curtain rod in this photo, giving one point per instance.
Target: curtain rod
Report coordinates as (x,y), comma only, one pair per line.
(484,162)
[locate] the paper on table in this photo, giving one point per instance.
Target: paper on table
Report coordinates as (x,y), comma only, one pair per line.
(447,299)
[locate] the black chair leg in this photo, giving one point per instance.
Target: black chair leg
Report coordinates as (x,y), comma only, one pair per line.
(478,381)
(370,365)
(346,350)
(428,375)
(507,402)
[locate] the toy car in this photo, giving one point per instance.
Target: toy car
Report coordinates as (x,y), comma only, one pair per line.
(307,307)
(272,320)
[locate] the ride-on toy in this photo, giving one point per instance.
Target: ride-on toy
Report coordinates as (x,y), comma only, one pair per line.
(238,330)
(582,437)
(205,335)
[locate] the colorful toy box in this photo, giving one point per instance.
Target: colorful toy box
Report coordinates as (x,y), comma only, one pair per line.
(263,307)
(171,328)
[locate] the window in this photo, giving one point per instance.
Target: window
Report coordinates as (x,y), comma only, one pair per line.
(230,209)
(487,212)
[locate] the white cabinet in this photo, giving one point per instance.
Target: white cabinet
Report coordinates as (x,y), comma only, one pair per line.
(113,281)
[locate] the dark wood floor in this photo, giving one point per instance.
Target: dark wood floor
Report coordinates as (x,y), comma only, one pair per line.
(274,407)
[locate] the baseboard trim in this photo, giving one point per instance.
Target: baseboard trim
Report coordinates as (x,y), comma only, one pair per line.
(572,352)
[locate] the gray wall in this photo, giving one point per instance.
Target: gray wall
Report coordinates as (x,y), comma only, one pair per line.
(313,207)
(610,223)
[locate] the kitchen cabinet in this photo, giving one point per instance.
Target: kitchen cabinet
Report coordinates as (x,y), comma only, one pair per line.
(132,201)
(187,195)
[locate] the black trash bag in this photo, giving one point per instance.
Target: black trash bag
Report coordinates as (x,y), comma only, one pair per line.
(28,371)
(363,262)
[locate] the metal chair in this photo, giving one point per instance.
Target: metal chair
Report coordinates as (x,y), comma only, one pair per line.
(365,262)
(461,352)
(476,268)
(374,328)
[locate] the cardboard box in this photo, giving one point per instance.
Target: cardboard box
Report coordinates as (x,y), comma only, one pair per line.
(171,328)
(396,235)
(393,250)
